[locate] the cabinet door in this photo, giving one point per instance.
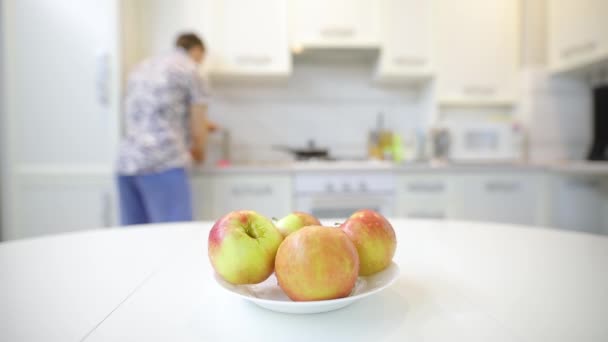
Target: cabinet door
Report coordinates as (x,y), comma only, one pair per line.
(406,41)
(202,197)
(476,51)
(423,196)
(56,204)
(576,33)
(505,198)
(251,38)
(270,195)
(334,23)
(62,105)
(576,203)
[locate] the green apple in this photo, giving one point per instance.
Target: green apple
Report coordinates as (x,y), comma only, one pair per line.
(374,238)
(295,221)
(242,246)
(317,263)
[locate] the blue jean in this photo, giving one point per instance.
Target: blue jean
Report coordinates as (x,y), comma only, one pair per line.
(155,197)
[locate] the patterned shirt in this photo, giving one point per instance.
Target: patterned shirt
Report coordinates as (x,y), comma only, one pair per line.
(158,97)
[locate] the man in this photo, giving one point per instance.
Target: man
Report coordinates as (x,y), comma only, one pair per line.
(166,128)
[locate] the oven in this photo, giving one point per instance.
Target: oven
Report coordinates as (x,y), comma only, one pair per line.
(338,194)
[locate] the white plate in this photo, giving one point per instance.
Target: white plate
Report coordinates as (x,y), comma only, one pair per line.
(269,295)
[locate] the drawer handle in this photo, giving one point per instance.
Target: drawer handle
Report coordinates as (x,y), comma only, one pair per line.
(426,215)
(579,49)
(253,60)
(252,191)
(502,186)
(409,61)
(426,187)
(337,32)
(586,183)
(479,90)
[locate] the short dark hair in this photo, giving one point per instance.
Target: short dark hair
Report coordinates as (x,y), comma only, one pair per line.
(188,40)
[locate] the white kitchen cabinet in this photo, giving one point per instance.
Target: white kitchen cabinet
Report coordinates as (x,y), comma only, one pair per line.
(58,203)
(406,41)
(61,108)
(576,32)
(60,111)
(476,51)
(506,197)
(268,194)
(250,38)
(577,203)
(202,197)
(334,23)
(423,196)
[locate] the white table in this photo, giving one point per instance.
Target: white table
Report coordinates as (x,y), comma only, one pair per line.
(459,282)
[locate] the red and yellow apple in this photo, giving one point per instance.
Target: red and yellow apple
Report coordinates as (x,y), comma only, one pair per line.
(242,247)
(295,221)
(317,263)
(374,239)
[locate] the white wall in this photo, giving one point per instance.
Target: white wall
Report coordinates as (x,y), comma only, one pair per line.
(329,99)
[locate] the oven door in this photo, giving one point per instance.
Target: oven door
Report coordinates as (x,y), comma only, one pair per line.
(339,206)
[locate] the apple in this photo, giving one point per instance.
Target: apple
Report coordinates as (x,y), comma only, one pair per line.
(295,221)
(374,238)
(317,263)
(242,246)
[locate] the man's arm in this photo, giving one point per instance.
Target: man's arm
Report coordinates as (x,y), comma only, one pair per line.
(198,131)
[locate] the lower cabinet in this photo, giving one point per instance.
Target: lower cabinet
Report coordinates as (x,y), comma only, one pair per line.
(509,197)
(578,203)
(423,196)
(50,204)
(218,194)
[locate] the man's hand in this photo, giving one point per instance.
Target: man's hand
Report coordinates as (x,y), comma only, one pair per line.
(198,154)
(212,126)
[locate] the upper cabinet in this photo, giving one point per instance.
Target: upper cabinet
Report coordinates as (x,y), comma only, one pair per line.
(250,38)
(244,37)
(406,41)
(476,51)
(334,23)
(578,34)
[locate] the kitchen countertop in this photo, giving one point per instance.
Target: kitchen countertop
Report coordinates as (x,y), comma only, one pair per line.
(459,281)
(576,167)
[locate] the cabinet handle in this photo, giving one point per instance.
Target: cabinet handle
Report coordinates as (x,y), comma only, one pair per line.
(427,214)
(253,60)
(426,187)
(579,49)
(477,90)
(106,209)
(500,186)
(337,32)
(252,191)
(409,61)
(102,79)
(586,183)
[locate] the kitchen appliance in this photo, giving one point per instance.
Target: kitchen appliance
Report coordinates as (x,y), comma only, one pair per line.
(480,141)
(339,194)
(599,147)
(440,143)
(310,152)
